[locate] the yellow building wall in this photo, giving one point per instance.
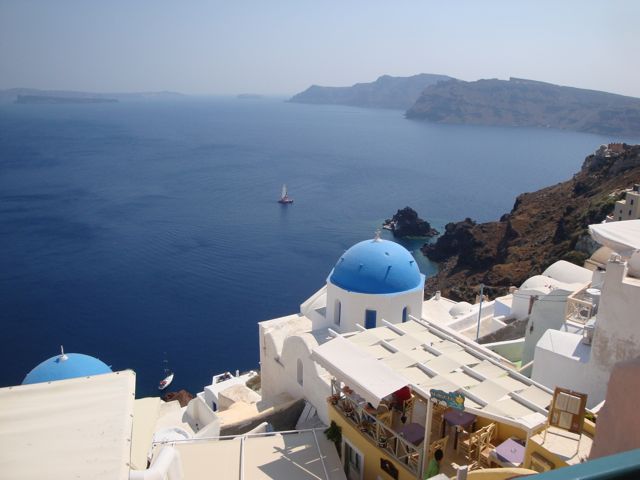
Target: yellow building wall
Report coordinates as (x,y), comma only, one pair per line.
(372,454)
(498,473)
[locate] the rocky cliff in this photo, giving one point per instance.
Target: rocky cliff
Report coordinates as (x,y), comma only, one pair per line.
(527,103)
(385,92)
(407,223)
(542,227)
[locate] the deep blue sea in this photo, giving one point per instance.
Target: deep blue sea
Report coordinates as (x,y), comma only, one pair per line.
(132,229)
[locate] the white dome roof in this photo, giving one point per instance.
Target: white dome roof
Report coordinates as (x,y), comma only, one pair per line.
(460,309)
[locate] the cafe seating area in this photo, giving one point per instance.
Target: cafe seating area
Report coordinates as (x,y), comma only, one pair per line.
(388,425)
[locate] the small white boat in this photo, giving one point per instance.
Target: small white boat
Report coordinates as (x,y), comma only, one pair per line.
(166,381)
(284,197)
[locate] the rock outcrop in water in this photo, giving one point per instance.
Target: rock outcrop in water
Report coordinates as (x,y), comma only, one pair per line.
(543,227)
(182,396)
(385,92)
(527,103)
(406,223)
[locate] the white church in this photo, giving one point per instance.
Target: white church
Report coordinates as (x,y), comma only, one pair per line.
(375,282)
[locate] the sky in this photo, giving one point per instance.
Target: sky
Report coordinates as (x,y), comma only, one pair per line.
(283,47)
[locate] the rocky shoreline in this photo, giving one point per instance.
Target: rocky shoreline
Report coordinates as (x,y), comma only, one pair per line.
(406,223)
(543,227)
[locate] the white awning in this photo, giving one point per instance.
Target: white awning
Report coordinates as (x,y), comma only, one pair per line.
(370,378)
(622,237)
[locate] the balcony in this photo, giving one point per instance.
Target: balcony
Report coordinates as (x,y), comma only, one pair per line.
(375,424)
(582,305)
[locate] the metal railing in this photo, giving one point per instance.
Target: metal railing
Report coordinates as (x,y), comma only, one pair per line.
(391,442)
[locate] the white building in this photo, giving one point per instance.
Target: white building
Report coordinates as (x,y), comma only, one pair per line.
(373,280)
(583,360)
(375,283)
(628,208)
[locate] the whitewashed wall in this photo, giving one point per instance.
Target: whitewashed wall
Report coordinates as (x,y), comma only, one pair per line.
(547,312)
(387,306)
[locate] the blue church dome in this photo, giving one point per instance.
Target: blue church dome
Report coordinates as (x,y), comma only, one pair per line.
(64,366)
(376,266)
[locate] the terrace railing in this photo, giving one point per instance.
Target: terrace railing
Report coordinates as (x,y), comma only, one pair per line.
(352,408)
(578,309)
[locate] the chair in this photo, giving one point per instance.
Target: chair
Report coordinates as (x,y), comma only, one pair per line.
(437,420)
(438,444)
(383,414)
(464,440)
(485,447)
(468,446)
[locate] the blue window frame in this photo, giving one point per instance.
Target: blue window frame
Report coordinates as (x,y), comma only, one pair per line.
(404,314)
(370,319)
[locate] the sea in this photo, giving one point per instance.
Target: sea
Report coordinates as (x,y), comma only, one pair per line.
(143,230)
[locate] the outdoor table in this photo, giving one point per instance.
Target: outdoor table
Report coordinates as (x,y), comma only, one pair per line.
(456,418)
(412,432)
(509,453)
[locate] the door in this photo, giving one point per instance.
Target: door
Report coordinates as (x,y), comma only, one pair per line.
(370,319)
(353,462)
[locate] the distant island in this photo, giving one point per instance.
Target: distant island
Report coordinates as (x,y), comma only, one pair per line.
(528,103)
(41,99)
(386,92)
(28,95)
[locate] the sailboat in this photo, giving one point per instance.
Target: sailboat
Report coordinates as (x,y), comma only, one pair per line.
(166,381)
(284,197)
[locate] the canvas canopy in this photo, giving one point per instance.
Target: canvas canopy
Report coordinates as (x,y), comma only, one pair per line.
(621,237)
(370,378)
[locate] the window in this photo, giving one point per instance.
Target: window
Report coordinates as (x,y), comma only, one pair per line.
(337,312)
(299,373)
(629,212)
(370,319)
(405,314)
(631,202)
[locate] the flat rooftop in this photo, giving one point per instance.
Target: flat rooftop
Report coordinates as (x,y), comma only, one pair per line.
(76,428)
(298,455)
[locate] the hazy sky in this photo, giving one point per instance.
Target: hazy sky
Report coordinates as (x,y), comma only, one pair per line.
(282,47)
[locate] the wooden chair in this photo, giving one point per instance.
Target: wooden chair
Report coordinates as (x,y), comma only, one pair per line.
(437,420)
(438,444)
(485,447)
(464,439)
(384,414)
(468,446)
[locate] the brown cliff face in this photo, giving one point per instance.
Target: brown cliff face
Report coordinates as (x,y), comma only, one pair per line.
(542,227)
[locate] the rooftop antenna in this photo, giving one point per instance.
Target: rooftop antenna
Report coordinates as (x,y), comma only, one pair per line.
(63,356)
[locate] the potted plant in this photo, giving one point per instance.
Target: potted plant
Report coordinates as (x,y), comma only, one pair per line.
(348,410)
(382,441)
(334,434)
(364,426)
(333,399)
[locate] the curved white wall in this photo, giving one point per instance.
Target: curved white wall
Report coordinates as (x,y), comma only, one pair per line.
(353,306)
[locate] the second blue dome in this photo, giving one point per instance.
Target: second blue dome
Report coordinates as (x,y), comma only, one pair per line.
(376,267)
(65,366)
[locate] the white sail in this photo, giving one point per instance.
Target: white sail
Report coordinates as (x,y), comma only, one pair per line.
(284,191)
